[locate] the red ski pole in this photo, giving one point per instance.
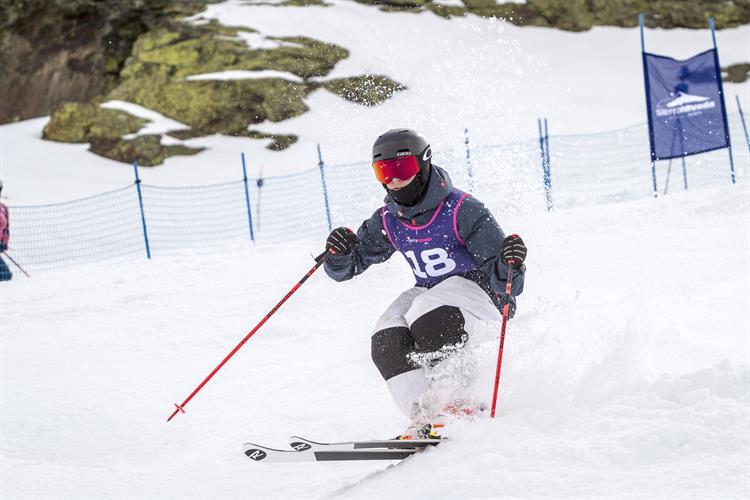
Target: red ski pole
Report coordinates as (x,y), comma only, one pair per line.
(181,407)
(508,285)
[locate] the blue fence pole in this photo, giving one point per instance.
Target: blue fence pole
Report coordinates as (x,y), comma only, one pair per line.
(648,107)
(247,199)
(468,160)
(321,165)
(544,161)
(723,103)
(548,162)
(742,118)
(143,213)
(259,184)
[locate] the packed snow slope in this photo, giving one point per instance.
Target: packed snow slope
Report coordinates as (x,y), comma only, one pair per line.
(625,371)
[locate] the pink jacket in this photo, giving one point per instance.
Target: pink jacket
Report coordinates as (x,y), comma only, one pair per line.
(4,224)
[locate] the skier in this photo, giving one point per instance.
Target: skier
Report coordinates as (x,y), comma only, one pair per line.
(5,273)
(459,256)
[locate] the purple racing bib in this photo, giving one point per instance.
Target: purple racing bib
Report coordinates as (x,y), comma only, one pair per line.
(434,251)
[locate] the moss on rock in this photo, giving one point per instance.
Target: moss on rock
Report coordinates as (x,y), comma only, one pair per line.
(156,77)
(82,122)
(736,73)
(226,107)
(279,143)
(292,3)
(103,128)
(147,150)
(310,58)
(442,10)
(174,55)
(185,134)
(368,90)
(581,15)
(56,51)
(447,11)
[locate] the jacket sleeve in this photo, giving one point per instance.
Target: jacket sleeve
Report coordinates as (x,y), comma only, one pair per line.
(373,247)
(483,238)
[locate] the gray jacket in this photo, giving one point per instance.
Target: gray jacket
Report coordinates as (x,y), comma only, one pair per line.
(476,226)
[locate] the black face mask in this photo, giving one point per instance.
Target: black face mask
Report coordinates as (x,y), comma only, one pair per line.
(414,192)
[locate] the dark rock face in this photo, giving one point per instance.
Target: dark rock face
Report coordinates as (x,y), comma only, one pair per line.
(77,122)
(736,73)
(581,15)
(157,74)
(160,72)
(53,51)
(147,150)
(368,90)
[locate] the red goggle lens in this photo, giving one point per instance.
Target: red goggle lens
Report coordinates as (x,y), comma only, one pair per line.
(403,167)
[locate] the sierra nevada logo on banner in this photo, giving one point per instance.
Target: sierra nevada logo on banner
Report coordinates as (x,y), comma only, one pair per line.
(686,114)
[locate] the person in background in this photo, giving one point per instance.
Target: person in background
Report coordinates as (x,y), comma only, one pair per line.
(5,273)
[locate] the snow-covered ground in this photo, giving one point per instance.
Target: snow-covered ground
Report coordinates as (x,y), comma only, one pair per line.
(625,372)
(490,76)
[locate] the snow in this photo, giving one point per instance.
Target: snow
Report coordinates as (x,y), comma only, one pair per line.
(449,3)
(158,123)
(259,41)
(626,371)
(246,75)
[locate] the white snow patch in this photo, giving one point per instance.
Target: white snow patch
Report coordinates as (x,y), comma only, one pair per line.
(247,75)
(263,2)
(256,40)
(158,123)
(449,3)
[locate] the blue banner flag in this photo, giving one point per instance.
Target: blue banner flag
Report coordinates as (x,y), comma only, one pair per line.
(686,112)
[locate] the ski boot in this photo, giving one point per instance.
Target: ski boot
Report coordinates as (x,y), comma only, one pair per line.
(422,431)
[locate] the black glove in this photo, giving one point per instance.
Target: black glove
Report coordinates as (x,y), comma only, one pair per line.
(341,240)
(513,250)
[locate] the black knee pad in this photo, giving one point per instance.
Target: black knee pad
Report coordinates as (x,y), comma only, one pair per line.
(438,328)
(391,348)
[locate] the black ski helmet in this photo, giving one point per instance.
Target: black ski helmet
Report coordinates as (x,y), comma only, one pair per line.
(399,142)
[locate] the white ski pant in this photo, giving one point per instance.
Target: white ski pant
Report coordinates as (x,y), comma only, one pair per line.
(426,319)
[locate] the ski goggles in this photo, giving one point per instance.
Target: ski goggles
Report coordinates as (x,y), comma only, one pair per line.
(402,167)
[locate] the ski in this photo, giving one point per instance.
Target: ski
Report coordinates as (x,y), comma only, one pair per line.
(259,453)
(303,444)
